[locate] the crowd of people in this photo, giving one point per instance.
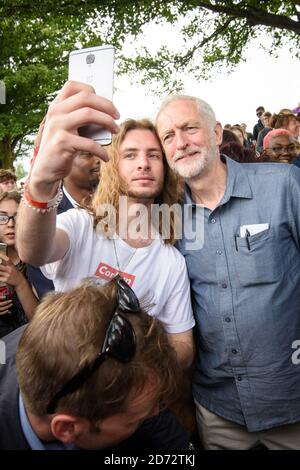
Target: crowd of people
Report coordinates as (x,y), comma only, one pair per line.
(243,146)
(121,336)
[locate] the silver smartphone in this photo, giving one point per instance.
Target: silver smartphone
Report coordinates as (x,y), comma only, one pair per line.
(94,66)
(3,248)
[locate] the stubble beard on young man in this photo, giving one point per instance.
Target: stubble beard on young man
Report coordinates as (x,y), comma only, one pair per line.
(145,198)
(144,195)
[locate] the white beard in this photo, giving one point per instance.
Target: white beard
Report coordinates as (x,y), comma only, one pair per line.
(190,168)
(196,165)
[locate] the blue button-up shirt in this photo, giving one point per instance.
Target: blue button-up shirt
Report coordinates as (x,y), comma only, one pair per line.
(34,442)
(246,298)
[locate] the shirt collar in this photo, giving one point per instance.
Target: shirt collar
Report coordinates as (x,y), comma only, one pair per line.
(34,442)
(237,184)
(237,181)
(29,433)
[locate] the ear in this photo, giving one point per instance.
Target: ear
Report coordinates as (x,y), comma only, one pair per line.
(66,428)
(218,133)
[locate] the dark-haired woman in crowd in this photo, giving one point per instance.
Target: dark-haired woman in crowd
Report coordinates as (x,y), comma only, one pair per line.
(231,146)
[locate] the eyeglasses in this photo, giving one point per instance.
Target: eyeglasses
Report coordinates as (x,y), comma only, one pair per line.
(284,148)
(259,113)
(119,342)
(4,219)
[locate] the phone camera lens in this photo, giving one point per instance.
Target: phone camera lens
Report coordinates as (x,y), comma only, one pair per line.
(90,58)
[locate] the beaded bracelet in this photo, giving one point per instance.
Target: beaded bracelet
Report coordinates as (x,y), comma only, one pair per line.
(42,206)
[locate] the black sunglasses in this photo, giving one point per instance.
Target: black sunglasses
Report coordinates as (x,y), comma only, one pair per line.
(119,342)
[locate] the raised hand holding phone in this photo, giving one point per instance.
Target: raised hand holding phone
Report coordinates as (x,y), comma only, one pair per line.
(76,106)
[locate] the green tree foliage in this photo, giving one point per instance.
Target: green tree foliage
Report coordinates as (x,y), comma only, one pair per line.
(35,41)
(215,33)
(20,170)
(34,46)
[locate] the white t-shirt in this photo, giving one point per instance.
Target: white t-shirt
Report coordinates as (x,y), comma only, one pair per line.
(68,196)
(157,273)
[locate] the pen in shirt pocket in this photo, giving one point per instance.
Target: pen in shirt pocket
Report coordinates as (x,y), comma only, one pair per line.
(247,239)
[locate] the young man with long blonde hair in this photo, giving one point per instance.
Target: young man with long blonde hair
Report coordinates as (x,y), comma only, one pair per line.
(78,245)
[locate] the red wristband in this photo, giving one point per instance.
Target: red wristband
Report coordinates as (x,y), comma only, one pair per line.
(42,206)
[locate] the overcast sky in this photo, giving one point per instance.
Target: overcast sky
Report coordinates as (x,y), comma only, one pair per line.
(262,80)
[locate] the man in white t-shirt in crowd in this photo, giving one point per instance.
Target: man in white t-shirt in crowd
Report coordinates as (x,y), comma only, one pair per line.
(74,248)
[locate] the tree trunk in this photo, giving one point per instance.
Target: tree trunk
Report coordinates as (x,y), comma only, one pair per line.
(6,153)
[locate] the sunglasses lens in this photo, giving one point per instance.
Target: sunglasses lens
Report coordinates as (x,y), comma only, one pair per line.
(127,300)
(119,341)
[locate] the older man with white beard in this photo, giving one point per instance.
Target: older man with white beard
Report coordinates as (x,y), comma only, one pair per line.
(245,283)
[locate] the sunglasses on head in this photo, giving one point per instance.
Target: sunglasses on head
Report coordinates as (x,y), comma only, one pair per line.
(119,342)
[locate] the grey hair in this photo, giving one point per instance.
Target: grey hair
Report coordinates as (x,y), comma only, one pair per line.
(203,108)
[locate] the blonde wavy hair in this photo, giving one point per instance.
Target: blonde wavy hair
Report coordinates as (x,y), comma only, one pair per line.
(111,186)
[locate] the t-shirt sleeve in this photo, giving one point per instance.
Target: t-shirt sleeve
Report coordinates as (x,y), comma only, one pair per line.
(69,222)
(177,314)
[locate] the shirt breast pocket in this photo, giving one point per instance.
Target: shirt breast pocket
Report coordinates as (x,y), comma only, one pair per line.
(257,260)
